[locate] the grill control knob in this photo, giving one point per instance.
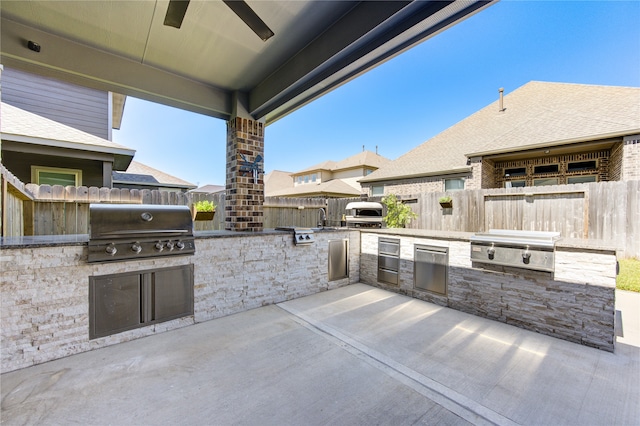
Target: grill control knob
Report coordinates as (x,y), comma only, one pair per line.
(111,249)
(491,252)
(169,245)
(136,247)
(526,256)
(180,245)
(159,246)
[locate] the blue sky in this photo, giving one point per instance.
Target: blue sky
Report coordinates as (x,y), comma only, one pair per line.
(411,98)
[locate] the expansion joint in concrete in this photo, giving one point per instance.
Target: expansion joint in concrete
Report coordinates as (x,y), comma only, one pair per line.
(448,398)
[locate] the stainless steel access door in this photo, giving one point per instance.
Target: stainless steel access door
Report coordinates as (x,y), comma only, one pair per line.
(338,259)
(431,267)
(128,300)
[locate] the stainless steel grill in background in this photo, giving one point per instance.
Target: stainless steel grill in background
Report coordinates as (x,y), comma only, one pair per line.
(522,249)
(130,231)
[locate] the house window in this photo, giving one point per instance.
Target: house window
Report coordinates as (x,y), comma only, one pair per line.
(314,177)
(518,171)
(454,184)
(582,179)
(56,176)
(306,178)
(377,190)
(581,166)
(299,179)
(545,181)
(515,184)
(549,168)
(367,172)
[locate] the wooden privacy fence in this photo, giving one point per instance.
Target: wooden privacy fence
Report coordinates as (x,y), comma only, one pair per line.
(58,210)
(302,212)
(606,211)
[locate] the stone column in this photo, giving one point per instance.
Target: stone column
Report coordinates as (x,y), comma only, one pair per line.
(245,172)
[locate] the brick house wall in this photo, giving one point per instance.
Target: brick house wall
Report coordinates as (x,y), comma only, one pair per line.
(631,158)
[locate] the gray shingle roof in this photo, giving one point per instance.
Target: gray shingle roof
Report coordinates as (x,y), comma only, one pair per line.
(142,174)
(20,123)
(536,114)
(361,159)
(332,187)
(26,127)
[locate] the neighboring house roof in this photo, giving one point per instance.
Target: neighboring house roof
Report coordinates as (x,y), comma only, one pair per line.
(22,126)
(276,181)
(325,165)
(143,175)
(362,159)
(209,189)
(335,187)
(282,184)
(538,114)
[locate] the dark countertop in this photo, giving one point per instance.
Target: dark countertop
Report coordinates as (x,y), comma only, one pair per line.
(35,241)
(562,243)
(83,239)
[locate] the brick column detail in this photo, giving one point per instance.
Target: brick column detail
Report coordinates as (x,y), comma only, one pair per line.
(244,189)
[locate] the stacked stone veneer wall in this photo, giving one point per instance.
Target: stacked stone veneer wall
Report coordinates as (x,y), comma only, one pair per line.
(45,290)
(576,304)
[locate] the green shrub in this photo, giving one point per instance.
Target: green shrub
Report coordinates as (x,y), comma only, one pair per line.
(205,206)
(399,215)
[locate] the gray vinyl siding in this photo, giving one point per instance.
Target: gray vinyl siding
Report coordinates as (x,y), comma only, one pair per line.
(75,106)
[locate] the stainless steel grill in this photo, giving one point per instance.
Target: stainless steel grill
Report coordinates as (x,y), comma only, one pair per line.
(522,249)
(131,231)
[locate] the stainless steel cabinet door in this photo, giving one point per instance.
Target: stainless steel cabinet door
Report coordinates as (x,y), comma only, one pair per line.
(431,269)
(114,304)
(173,293)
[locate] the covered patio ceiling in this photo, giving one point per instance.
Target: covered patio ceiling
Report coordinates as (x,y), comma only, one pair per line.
(215,61)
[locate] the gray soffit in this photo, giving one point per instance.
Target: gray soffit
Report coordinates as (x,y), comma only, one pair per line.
(123,47)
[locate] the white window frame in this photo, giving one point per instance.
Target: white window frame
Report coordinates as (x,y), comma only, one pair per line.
(377,190)
(516,183)
(452,180)
(574,178)
(542,181)
(36,170)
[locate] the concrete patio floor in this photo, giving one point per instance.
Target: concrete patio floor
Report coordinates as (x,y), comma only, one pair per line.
(357,355)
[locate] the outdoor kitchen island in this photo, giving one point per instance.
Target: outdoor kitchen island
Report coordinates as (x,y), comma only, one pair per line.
(574,301)
(45,284)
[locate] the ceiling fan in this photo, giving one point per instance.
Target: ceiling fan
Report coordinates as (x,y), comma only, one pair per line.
(178,8)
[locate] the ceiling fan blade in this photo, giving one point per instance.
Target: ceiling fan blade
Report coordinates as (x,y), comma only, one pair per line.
(175,13)
(244,12)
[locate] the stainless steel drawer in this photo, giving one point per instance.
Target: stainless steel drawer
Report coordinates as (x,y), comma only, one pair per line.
(389,246)
(388,262)
(386,276)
